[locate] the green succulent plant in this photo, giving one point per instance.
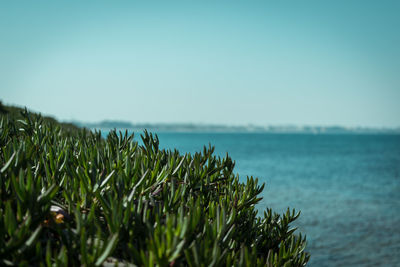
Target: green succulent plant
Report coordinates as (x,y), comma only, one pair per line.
(70,197)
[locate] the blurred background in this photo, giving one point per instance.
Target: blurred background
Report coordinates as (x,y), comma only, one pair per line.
(302,94)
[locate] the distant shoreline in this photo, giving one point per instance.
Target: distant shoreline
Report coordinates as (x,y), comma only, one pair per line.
(211,128)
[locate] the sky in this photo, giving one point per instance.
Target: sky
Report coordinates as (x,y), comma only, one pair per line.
(220,62)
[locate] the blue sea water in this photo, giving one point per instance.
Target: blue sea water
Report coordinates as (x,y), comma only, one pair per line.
(347,188)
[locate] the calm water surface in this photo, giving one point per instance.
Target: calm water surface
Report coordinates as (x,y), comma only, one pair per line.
(347,188)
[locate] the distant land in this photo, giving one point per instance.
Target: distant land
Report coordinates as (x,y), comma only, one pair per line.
(191,127)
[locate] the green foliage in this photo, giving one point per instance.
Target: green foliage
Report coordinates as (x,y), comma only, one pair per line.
(17,114)
(74,198)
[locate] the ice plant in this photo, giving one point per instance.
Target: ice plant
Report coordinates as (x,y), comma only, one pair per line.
(70,197)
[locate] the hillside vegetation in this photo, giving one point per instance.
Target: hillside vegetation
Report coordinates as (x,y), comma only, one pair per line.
(70,197)
(16,113)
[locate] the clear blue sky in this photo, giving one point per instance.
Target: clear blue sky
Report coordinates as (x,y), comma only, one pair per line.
(229,62)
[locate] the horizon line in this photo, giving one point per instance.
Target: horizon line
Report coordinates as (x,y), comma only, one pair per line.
(214,124)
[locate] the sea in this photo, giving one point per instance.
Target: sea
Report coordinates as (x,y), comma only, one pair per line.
(346,186)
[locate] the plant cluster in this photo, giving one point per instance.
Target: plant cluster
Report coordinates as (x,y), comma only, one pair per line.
(16,113)
(73,198)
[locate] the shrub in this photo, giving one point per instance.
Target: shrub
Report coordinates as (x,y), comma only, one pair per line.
(71,197)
